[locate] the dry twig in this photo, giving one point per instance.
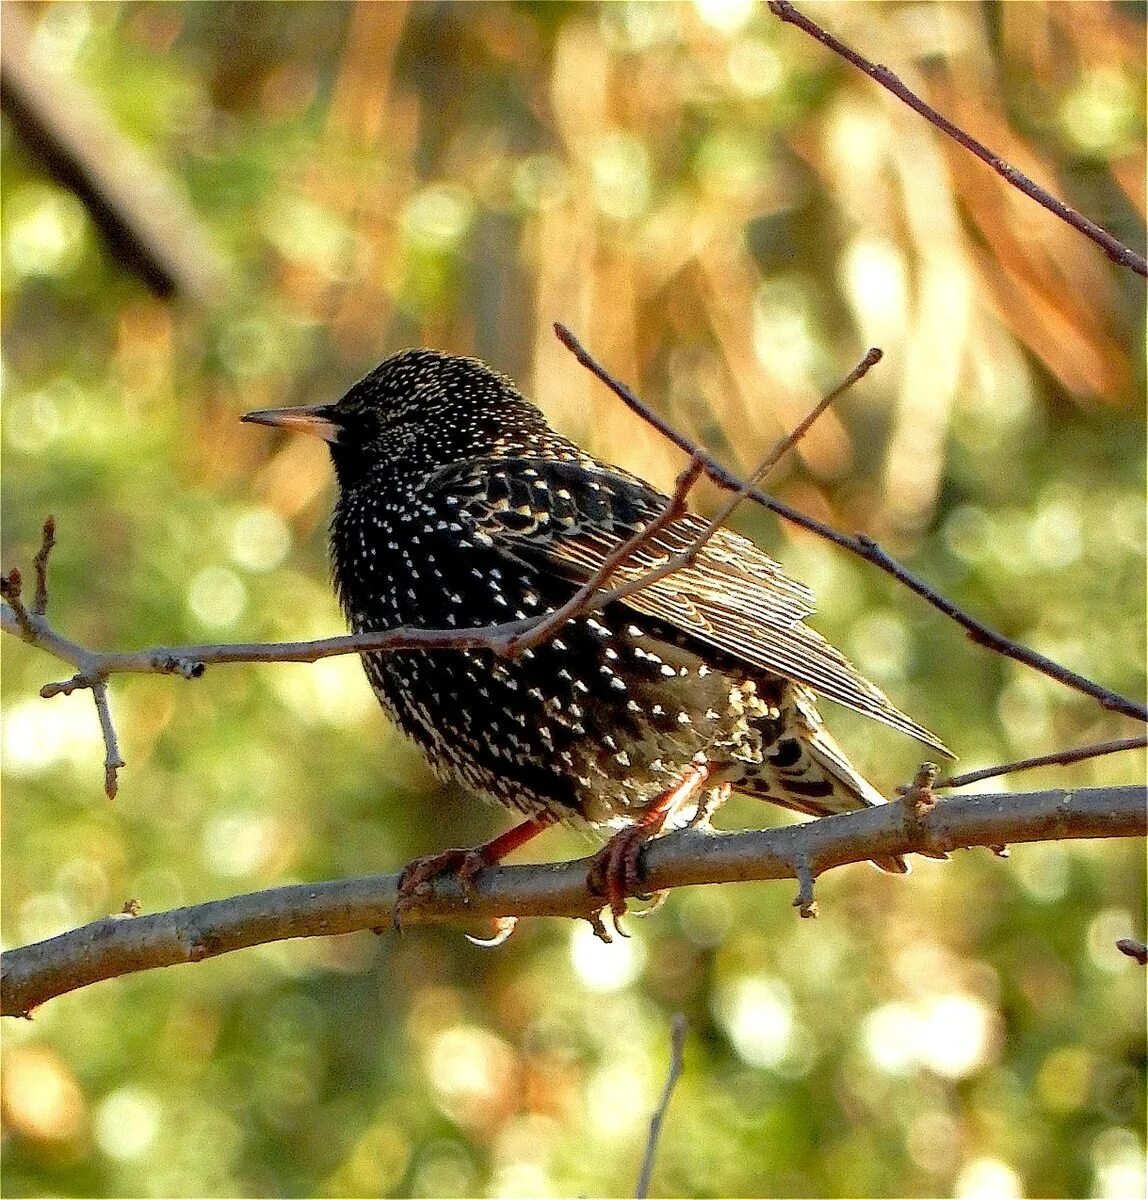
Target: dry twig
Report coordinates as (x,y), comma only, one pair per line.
(1061,758)
(40,566)
(1116,250)
(11,588)
(678,1029)
(861,545)
(586,599)
(113,760)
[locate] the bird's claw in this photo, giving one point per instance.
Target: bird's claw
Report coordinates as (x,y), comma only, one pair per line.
(503,928)
(414,882)
(616,870)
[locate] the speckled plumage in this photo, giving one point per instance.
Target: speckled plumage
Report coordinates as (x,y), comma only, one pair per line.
(459,507)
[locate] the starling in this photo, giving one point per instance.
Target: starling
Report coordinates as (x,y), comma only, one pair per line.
(459,507)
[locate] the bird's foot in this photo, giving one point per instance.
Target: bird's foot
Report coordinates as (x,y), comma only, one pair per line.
(418,873)
(616,870)
(464,864)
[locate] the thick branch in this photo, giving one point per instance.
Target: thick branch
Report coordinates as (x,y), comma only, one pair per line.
(120,945)
(145,218)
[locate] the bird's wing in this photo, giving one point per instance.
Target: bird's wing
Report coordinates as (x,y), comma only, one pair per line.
(571,515)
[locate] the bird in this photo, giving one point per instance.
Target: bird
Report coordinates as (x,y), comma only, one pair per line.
(459,507)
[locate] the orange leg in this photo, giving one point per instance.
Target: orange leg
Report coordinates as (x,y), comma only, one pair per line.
(464,863)
(616,870)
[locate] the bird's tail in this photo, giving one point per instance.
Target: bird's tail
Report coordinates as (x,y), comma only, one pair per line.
(806,770)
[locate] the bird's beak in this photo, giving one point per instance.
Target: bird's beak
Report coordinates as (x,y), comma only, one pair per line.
(318,420)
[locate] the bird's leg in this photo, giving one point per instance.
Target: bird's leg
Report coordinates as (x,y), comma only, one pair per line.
(616,868)
(465,863)
(708,805)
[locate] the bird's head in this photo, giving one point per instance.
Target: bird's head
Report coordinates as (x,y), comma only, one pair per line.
(418,406)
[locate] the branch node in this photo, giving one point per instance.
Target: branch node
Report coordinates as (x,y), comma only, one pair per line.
(11,585)
(919,797)
(65,687)
(804,903)
(167,663)
(202,944)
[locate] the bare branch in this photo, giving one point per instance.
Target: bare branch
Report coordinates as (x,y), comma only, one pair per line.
(862,546)
(40,566)
(588,597)
(1116,250)
(582,601)
(1062,758)
(113,761)
(678,1029)
(115,946)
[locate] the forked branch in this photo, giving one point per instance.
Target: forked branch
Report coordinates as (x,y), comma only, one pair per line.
(861,546)
(94,667)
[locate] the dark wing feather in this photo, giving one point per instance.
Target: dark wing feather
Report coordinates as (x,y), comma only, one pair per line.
(572,515)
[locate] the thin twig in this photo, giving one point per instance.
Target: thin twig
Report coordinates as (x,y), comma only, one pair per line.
(744,490)
(585,596)
(678,1029)
(114,946)
(113,760)
(862,546)
(1063,758)
(40,565)
(1116,250)
(509,640)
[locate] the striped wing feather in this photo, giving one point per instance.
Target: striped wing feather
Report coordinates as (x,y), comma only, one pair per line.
(733,597)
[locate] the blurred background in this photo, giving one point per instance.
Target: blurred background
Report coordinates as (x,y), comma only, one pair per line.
(212,207)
